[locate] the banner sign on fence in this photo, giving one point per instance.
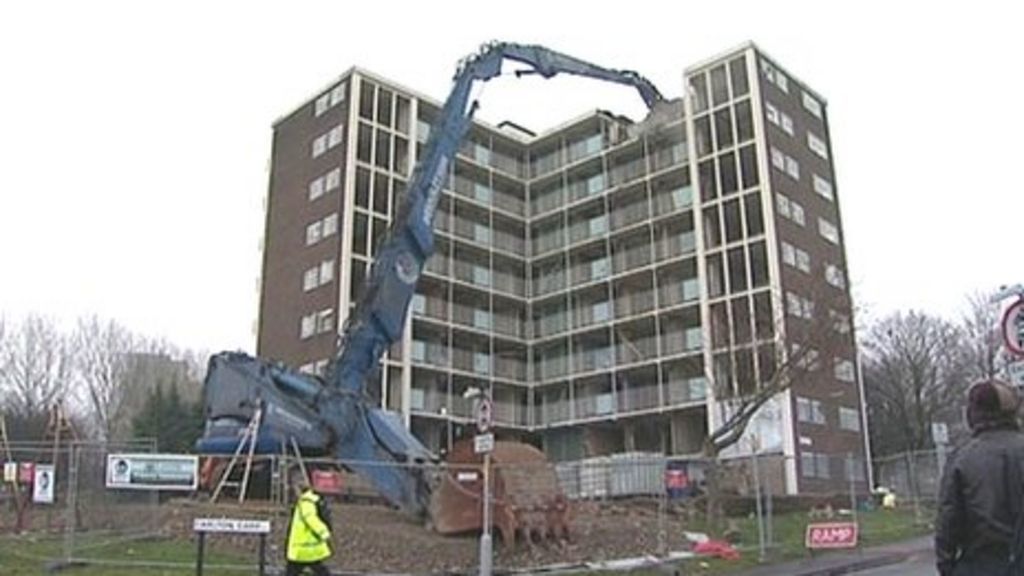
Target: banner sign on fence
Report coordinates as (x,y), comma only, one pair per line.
(831,535)
(327,481)
(26,472)
(152,471)
(231,525)
(42,485)
(10,471)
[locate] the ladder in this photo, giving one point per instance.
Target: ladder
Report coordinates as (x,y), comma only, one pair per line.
(250,435)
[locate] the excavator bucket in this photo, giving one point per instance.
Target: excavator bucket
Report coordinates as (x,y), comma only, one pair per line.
(527,500)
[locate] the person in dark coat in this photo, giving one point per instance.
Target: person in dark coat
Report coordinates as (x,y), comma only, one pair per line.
(976,516)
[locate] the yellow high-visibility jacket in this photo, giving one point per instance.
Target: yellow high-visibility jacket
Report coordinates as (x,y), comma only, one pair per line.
(309,539)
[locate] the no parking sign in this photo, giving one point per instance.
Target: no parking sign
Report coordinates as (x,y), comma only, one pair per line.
(1013,328)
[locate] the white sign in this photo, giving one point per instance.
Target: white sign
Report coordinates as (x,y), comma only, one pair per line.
(42,484)
(483,443)
(1016,370)
(152,471)
(940,433)
(484,414)
(10,471)
(1013,328)
(466,476)
(232,525)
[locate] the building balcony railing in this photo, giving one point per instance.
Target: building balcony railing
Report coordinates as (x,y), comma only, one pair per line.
(674,293)
(508,283)
(471,361)
(437,264)
(595,405)
(548,283)
(544,243)
(509,242)
(591,271)
(627,172)
(632,258)
(436,308)
(633,303)
(636,350)
(549,200)
(432,353)
(639,398)
(594,359)
(550,324)
(674,245)
(671,200)
(510,413)
(592,228)
(553,412)
(681,390)
(509,325)
(630,214)
(668,156)
(509,203)
(593,313)
(552,367)
(510,368)
(680,341)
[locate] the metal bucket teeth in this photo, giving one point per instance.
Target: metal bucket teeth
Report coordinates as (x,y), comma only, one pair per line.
(528,502)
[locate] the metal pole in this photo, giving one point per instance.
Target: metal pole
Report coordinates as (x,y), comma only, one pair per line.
(760,513)
(199,553)
(263,554)
(486,548)
(853,490)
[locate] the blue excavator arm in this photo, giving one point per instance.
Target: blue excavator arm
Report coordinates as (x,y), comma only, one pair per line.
(374,442)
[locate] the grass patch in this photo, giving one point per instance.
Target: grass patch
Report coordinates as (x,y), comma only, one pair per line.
(32,555)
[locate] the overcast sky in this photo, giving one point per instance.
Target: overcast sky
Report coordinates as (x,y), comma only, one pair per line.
(135,136)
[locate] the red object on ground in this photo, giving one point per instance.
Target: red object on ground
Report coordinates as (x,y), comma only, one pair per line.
(717,548)
(831,535)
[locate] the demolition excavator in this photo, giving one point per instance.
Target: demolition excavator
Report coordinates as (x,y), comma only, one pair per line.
(333,415)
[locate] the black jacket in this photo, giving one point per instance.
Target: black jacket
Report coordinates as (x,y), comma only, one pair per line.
(975,518)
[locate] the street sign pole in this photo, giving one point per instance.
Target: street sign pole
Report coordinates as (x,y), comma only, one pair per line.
(484,442)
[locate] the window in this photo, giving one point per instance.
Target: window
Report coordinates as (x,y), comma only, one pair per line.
(326,271)
(334,136)
(311,279)
(316,188)
(787,124)
(325,321)
(799,306)
(844,370)
(792,167)
(808,410)
(817,145)
(854,468)
(840,322)
(322,104)
(778,158)
(774,76)
(307,326)
(822,187)
(828,231)
(772,113)
(319,145)
(332,180)
(808,467)
(330,224)
(338,94)
(797,213)
(788,254)
(803,261)
(782,204)
(314,232)
(849,419)
(834,276)
(824,469)
(812,105)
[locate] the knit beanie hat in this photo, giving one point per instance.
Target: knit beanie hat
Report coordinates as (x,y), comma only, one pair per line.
(991,402)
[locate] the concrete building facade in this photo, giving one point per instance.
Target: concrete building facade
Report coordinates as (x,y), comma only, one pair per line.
(603,284)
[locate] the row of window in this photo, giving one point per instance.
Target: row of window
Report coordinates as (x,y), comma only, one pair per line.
(325,184)
(320,322)
(322,229)
(328,140)
(796,257)
(318,275)
(811,411)
(332,98)
(777,77)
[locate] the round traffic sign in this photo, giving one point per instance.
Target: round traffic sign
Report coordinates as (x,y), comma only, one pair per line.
(1013,328)
(484,414)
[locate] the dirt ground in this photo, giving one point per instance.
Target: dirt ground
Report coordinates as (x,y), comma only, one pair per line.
(376,538)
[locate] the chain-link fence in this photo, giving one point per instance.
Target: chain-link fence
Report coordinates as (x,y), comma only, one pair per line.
(578,515)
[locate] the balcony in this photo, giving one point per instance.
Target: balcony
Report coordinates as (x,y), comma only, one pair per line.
(671,200)
(591,271)
(677,292)
(633,303)
(680,341)
(631,351)
(630,258)
(432,353)
(508,283)
(477,362)
(682,390)
(672,245)
(639,398)
(510,368)
(624,216)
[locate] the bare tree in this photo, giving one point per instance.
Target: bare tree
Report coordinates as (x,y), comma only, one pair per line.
(982,340)
(915,373)
(37,371)
(801,346)
(103,351)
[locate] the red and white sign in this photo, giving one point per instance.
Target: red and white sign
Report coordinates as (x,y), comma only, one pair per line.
(1013,328)
(484,414)
(831,535)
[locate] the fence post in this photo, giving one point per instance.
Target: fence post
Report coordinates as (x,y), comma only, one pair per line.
(71,504)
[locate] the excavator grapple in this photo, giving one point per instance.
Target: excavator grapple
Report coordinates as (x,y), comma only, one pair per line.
(527,501)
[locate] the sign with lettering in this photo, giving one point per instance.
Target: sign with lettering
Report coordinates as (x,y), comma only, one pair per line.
(1013,328)
(831,535)
(231,525)
(152,471)
(42,484)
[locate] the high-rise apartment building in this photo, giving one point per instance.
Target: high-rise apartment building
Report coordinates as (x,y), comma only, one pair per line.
(594,279)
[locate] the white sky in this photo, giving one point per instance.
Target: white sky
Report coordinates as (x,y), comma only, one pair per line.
(135,136)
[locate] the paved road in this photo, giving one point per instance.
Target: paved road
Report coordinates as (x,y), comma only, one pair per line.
(922,564)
